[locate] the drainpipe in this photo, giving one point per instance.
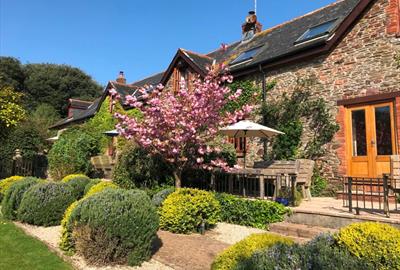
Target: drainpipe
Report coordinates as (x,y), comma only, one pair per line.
(264,99)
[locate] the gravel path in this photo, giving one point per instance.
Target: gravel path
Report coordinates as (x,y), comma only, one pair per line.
(175,251)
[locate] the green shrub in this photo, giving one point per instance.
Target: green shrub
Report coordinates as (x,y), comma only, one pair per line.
(6,183)
(100,187)
(231,257)
(115,226)
(254,213)
(12,198)
(73,176)
(71,153)
(375,242)
(320,253)
(78,185)
(160,196)
(67,243)
(91,183)
(318,183)
(136,168)
(44,204)
(186,209)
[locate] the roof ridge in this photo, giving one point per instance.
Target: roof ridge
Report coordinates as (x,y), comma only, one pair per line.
(196,53)
(154,74)
(286,22)
(80,100)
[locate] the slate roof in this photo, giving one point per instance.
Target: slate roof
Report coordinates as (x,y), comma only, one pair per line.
(275,43)
(79,104)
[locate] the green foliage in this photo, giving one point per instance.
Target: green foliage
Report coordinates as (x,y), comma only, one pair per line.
(91,183)
(228,151)
(291,113)
(186,209)
(11,110)
(25,137)
(44,204)
(71,153)
(11,73)
(286,192)
(254,213)
(73,176)
(6,183)
(160,196)
(250,95)
(13,196)
(115,226)
(100,187)
(137,168)
(375,242)
(320,253)
(77,185)
(231,257)
(42,118)
(318,183)
(397,59)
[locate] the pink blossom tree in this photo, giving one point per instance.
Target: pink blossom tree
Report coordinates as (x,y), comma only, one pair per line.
(178,125)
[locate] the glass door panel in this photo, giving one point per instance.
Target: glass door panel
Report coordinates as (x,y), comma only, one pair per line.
(359,133)
(383,129)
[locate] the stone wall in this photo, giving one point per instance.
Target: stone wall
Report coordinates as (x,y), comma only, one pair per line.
(362,64)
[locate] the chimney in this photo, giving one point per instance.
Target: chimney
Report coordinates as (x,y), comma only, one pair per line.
(393,17)
(121,78)
(251,26)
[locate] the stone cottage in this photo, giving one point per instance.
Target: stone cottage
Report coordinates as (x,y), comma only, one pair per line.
(351,48)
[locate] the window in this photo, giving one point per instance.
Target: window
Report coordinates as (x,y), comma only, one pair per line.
(317,31)
(247,55)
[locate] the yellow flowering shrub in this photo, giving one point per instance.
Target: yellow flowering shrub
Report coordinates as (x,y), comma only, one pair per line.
(73,176)
(6,183)
(100,187)
(375,242)
(243,250)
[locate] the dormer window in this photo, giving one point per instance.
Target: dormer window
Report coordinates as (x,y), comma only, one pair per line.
(245,56)
(317,31)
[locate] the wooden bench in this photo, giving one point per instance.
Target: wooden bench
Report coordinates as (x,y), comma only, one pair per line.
(302,168)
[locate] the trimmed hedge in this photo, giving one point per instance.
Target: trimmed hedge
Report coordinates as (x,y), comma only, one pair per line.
(6,183)
(231,257)
(186,209)
(100,187)
(91,183)
(255,213)
(13,196)
(44,204)
(74,176)
(115,226)
(78,185)
(160,196)
(375,242)
(67,243)
(320,253)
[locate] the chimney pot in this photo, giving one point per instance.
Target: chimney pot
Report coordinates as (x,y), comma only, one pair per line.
(121,78)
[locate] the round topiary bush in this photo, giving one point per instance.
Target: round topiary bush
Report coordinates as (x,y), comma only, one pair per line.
(375,242)
(13,196)
(74,176)
(6,183)
(78,185)
(160,196)
(185,210)
(44,204)
(91,183)
(100,187)
(115,226)
(234,255)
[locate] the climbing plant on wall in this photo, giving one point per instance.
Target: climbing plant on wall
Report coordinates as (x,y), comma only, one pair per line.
(294,113)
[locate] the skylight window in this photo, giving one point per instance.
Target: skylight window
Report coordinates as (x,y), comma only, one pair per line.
(317,31)
(247,55)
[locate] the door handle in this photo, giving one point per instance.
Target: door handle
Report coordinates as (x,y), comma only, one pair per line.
(372,142)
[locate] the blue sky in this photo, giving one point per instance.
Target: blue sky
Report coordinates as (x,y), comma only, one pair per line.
(103,37)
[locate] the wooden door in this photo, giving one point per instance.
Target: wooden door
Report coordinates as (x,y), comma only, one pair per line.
(370,139)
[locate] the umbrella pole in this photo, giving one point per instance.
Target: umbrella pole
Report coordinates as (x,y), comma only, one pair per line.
(244,154)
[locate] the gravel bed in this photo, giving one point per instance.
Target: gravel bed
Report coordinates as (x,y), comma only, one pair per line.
(51,235)
(231,233)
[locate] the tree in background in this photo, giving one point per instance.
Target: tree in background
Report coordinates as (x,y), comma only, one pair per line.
(47,83)
(11,110)
(178,125)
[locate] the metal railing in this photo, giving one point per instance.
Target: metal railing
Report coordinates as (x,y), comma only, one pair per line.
(374,194)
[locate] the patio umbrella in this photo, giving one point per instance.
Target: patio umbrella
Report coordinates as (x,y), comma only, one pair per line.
(248,129)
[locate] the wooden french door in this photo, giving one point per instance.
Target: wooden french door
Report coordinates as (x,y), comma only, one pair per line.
(370,139)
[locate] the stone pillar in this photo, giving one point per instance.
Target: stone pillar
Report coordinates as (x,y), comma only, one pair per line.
(395,171)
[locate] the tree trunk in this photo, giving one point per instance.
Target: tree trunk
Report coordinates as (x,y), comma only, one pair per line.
(177,175)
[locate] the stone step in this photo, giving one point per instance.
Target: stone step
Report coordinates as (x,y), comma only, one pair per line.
(298,230)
